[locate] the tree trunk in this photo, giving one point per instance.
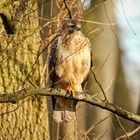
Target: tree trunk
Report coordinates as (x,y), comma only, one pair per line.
(21,66)
(121,98)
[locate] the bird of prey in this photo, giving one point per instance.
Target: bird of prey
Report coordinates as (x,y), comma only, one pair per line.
(69,65)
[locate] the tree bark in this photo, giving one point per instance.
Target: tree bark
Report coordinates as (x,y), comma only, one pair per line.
(21,66)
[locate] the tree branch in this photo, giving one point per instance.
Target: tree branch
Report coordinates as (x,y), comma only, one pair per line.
(85,97)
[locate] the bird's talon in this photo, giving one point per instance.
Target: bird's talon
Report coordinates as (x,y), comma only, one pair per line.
(72,93)
(70,88)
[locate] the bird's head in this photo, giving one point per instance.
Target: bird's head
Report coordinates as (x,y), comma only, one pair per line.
(71,26)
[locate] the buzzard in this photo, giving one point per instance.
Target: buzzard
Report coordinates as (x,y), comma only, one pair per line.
(69,65)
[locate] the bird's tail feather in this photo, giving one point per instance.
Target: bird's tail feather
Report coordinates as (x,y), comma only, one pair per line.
(64,110)
(64,115)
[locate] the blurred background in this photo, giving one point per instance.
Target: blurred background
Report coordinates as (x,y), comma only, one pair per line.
(128,19)
(116,56)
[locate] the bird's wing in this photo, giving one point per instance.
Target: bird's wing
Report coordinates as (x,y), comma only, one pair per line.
(51,67)
(52,63)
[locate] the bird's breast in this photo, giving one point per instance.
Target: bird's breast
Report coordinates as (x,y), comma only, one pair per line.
(73,61)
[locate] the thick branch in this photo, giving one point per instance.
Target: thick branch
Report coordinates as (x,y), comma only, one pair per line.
(15,97)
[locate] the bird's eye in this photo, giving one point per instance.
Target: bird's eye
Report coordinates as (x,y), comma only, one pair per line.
(71,26)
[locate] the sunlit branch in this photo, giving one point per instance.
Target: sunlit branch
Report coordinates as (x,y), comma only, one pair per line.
(85,97)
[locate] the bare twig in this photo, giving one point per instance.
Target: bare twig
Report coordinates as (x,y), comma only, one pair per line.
(69,12)
(99,84)
(13,110)
(101,135)
(130,134)
(94,126)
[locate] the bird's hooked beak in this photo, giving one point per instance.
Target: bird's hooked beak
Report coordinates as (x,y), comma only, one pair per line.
(78,27)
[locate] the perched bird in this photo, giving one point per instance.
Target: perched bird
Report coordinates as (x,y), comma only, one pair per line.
(69,65)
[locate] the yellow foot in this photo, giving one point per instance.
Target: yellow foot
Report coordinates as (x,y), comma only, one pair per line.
(70,88)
